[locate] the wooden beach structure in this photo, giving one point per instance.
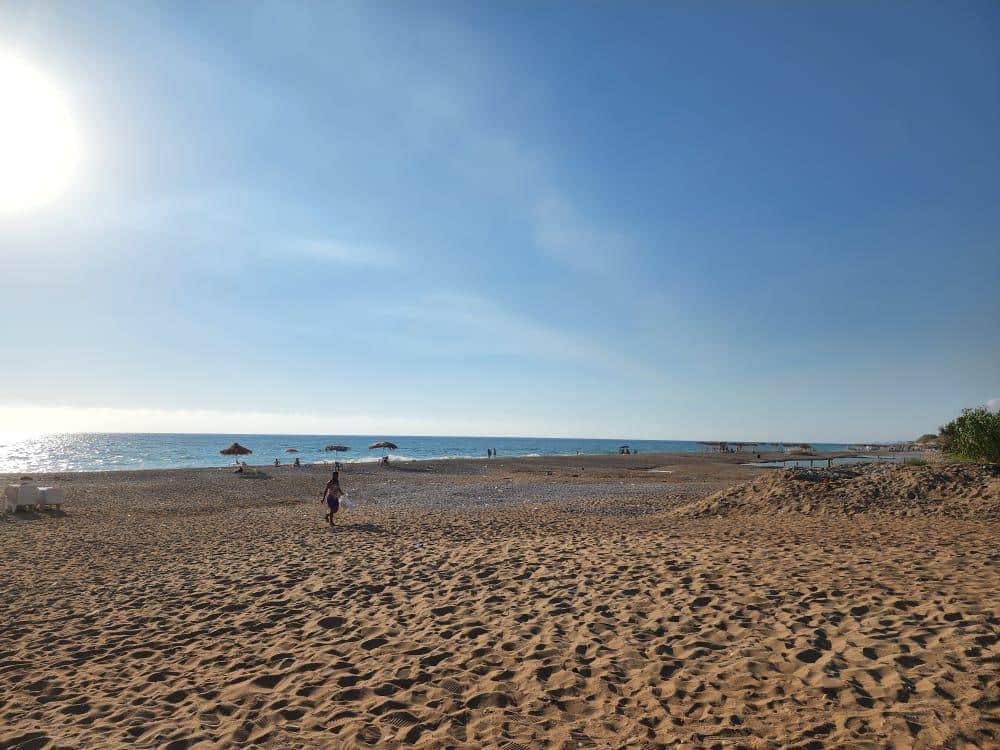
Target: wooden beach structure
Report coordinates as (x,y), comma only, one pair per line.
(724,446)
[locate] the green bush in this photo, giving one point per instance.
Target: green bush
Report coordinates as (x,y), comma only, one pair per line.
(974,436)
(915,462)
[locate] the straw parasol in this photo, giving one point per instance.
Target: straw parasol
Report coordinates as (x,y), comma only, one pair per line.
(235,450)
(291,450)
(383,444)
(338,448)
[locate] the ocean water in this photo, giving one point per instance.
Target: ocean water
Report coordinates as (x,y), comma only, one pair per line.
(129,451)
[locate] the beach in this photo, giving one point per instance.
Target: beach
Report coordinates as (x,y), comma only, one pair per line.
(567,602)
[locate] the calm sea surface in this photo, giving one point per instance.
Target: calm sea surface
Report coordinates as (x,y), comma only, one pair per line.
(123,451)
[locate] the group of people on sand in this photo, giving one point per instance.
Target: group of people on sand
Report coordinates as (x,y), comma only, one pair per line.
(243,468)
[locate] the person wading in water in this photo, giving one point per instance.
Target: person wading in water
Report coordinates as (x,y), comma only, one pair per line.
(331,496)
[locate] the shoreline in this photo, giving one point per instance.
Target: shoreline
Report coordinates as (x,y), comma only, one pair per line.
(745,457)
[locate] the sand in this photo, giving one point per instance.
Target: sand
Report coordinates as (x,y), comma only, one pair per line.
(956,490)
(551,603)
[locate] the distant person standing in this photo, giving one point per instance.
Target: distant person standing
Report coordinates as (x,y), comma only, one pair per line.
(331,496)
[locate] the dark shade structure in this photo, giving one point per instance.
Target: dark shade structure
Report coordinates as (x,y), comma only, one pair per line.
(383,444)
(338,448)
(236,450)
(291,450)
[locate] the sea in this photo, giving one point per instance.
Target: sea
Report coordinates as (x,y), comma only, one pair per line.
(130,451)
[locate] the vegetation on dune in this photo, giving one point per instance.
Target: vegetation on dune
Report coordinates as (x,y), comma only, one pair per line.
(974,436)
(915,462)
(926,438)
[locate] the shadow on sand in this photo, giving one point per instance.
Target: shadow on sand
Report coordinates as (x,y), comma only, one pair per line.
(34,515)
(252,474)
(369,528)
(406,467)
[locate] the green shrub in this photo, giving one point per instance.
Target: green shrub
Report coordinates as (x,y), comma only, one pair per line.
(915,462)
(974,436)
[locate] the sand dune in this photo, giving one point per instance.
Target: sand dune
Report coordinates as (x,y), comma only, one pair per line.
(958,491)
(499,606)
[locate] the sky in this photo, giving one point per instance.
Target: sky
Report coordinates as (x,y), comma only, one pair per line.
(676,221)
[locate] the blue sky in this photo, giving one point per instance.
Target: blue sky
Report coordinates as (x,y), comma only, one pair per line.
(679,220)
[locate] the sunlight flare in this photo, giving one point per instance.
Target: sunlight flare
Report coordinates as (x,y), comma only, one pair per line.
(39,144)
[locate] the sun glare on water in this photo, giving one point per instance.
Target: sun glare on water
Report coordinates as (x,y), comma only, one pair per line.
(39,146)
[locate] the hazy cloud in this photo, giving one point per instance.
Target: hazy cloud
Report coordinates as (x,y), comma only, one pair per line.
(563,234)
(478,325)
(24,420)
(347,254)
(35,418)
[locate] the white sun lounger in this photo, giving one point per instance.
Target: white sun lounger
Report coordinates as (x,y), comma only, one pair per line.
(21,496)
(51,497)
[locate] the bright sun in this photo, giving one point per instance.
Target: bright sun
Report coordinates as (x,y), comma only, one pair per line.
(39,147)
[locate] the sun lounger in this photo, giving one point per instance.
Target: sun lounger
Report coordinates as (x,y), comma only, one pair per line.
(10,497)
(51,497)
(21,496)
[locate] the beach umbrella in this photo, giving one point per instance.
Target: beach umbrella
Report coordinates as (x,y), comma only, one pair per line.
(235,450)
(291,450)
(383,444)
(338,448)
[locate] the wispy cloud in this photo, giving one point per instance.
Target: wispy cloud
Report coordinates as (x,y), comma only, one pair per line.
(505,332)
(473,325)
(332,251)
(439,102)
(563,234)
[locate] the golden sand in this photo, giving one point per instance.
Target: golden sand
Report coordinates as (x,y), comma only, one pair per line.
(531,603)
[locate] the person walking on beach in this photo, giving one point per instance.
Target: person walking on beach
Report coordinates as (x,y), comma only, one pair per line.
(331,496)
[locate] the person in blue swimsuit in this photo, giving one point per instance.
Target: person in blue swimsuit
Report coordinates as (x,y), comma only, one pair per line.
(331,496)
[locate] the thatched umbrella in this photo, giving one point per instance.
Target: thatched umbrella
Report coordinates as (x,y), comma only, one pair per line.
(235,450)
(338,448)
(383,444)
(291,450)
